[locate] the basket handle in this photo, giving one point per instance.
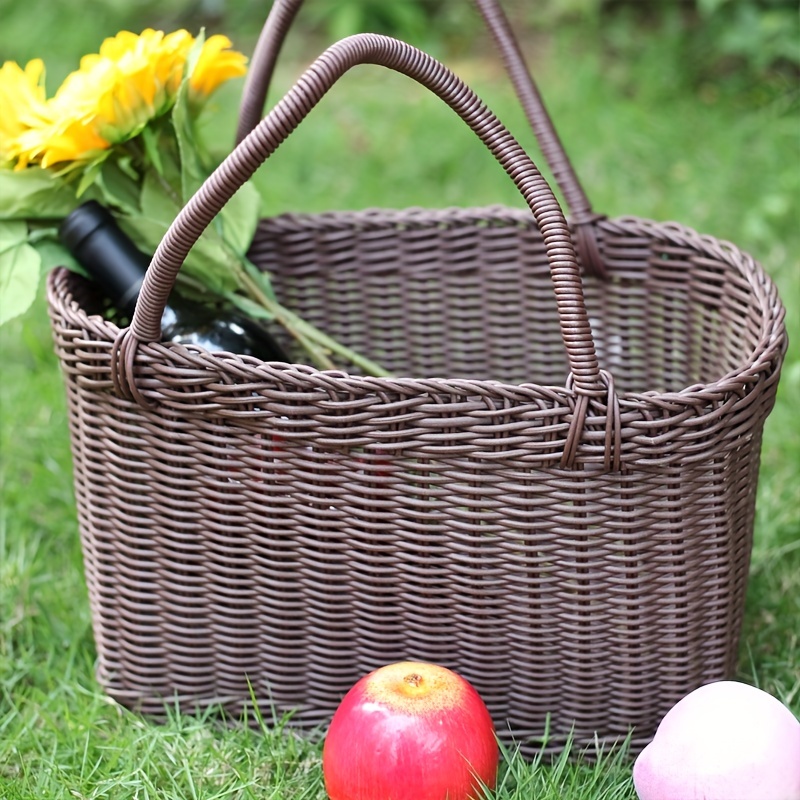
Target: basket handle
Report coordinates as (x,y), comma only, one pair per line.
(273,35)
(257,146)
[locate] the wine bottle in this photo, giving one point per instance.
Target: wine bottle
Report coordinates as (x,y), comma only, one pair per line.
(118,268)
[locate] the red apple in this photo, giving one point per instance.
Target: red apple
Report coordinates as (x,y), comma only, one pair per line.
(410,731)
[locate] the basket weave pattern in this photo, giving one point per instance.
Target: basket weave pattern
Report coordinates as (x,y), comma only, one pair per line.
(298,528)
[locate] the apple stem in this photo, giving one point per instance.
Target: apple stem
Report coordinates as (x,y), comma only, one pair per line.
(414,679)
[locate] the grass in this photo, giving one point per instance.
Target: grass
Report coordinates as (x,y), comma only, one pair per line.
(716,159)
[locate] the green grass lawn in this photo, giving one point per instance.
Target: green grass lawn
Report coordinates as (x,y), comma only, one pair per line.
(722,161)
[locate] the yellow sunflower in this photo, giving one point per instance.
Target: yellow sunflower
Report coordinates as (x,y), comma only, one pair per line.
(132,80)
(217,63)
(22,100)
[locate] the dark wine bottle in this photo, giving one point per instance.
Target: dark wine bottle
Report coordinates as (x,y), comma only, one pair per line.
(118,267)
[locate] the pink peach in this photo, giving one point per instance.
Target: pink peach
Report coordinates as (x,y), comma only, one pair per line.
(723,741)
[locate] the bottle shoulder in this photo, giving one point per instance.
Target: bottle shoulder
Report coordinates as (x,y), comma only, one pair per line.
(217,330)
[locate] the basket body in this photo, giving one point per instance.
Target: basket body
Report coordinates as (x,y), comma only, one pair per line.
(295,529)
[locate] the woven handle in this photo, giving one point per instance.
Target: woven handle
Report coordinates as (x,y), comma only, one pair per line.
(273,35)
(257,146)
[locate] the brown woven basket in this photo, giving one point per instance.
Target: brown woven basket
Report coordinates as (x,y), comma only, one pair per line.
(554,496)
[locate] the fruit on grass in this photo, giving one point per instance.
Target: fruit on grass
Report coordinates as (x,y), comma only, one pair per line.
(725,740)
(410,731)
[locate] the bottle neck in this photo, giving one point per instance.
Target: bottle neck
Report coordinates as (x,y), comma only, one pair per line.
(118,267)
(127,302)
(112,260)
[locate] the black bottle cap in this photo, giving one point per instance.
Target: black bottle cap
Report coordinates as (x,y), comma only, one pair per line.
(92,235)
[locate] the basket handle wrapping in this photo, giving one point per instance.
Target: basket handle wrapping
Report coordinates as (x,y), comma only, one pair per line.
(257,146)
(273,35)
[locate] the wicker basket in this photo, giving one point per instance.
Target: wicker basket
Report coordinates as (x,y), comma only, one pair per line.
(553,497)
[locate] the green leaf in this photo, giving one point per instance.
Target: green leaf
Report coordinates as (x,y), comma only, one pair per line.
(216,259)
(144,231)
(34,193)
(125,165)
(193,56)
(19,270)
(54,254)
(150,141)
(193,168)
(118,187)
(210,261)
(89,177)
(239,218)
(12,234)
(158,201)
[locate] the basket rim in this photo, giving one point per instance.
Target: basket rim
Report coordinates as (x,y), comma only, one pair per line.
(772,342)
